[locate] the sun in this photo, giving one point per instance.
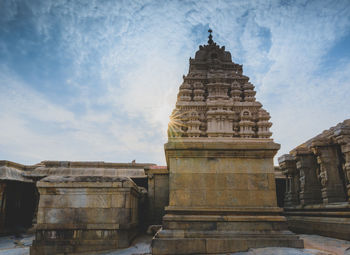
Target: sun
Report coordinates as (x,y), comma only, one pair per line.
(177,123)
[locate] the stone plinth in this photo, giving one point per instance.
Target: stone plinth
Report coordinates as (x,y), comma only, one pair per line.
(222,197)
(331,220)
(85,214)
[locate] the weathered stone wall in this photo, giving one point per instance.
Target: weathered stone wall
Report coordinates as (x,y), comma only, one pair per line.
(317,196)
(85,214)
(211,181)
(158,193)
(222,198)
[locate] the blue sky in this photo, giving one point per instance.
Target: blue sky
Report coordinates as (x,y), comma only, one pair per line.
(97,80)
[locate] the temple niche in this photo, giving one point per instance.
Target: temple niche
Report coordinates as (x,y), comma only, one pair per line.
(319,171)
(222,190)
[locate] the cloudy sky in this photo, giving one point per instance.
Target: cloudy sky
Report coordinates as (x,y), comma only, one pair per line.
(97,80)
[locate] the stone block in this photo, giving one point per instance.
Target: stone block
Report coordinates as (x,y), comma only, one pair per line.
(172,247)
(228,203)
(80,215)
(221,245)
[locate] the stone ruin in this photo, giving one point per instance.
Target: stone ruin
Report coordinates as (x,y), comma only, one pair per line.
(216,195)
(318,184)
(75,207)
(79,214)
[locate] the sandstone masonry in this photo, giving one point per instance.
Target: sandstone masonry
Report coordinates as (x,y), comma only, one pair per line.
(222,194)
(318,184)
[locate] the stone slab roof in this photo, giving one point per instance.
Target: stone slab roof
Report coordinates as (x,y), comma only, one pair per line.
(18,172)
(11,171)
(95,168)
(332,135)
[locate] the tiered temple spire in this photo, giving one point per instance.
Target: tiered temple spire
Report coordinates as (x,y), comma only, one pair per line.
(217,100)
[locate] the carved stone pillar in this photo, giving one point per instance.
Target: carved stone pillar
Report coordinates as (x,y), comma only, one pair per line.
(310,187)
(36,206)
(287,164)
(346,168)
(328,172)
(343,139)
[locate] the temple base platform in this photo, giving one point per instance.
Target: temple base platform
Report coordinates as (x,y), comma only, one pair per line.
(206,231)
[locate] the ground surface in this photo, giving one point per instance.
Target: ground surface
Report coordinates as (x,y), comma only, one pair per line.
(314,245)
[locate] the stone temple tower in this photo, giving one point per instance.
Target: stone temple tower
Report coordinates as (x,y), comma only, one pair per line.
(222,194)
(217,100)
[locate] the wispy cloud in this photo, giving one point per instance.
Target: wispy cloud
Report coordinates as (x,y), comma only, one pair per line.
(97,81)
(33,128)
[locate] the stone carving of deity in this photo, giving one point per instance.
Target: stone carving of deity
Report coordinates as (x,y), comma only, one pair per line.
(302,180)
(323,177)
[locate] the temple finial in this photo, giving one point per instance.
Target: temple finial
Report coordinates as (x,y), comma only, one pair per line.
(210,41)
